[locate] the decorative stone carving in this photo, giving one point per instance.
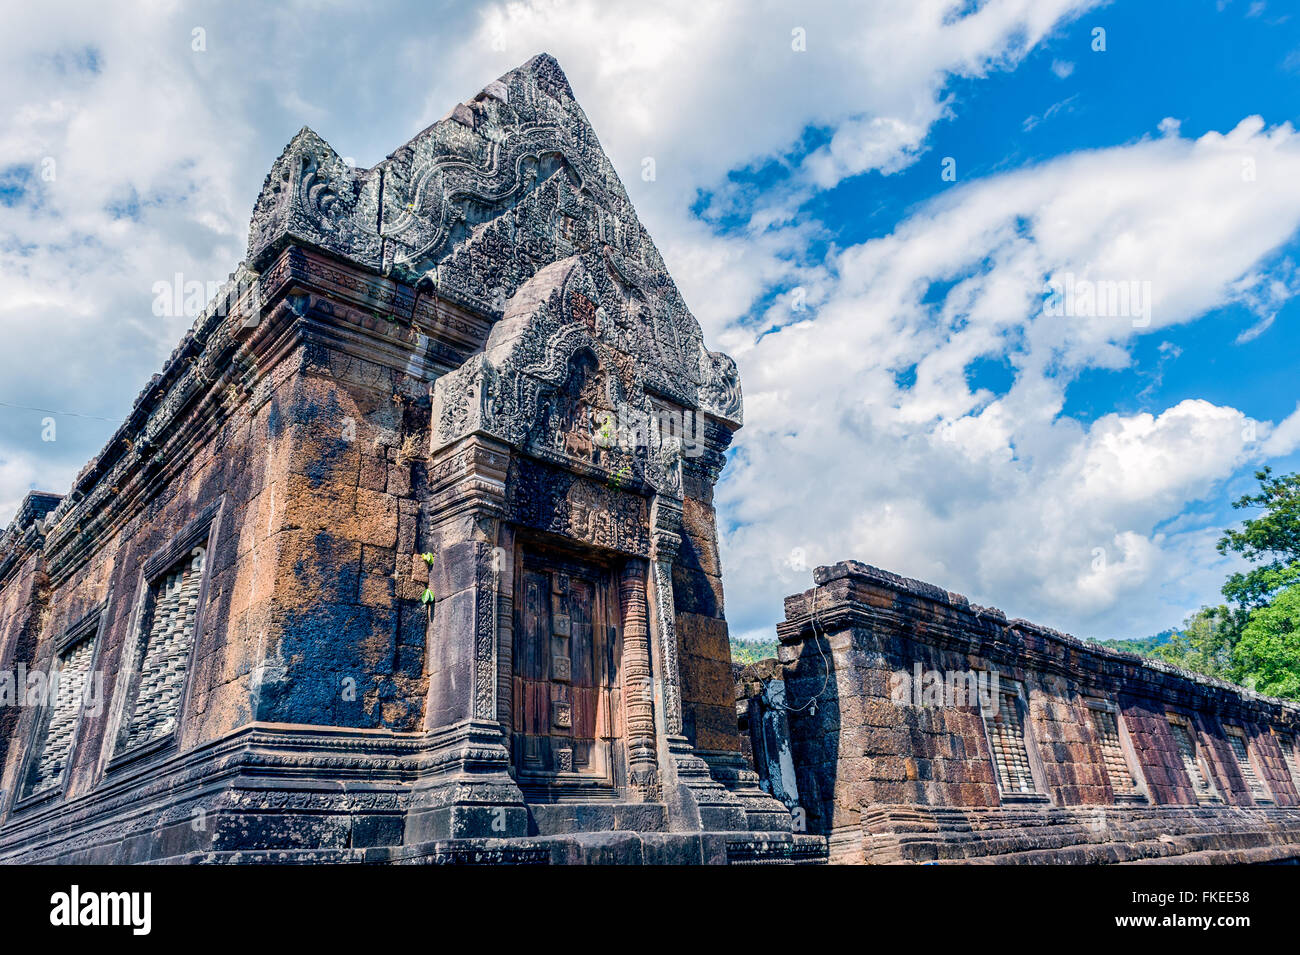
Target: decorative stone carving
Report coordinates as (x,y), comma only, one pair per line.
(552,382)
(482,201)
(578,508)
(638,703)
(313,196)
(720,386)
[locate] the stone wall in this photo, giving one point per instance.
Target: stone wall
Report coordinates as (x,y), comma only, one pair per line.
(710,722)
(346,643)
(217,473)
(23,595)
(297,470)
(893,770)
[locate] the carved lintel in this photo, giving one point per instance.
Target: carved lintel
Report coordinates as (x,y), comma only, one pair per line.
(575,507)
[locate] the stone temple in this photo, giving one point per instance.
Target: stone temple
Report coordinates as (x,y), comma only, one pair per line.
(409,551)
(409,555)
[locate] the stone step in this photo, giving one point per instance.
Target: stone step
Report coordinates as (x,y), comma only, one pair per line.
(546,819)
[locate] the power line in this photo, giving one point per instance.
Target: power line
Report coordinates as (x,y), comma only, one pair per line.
(69,414)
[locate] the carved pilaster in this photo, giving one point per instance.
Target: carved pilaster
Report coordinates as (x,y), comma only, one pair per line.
(485,626)
(638,699)
(466,502)
(467,789)
(666,540)
(468,477)
(695,800)
(707,790)
(503,568)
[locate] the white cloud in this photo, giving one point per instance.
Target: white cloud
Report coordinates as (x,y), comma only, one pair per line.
(709,88)
(999,494)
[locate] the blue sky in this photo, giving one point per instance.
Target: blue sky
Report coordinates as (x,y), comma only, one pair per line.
(909,400)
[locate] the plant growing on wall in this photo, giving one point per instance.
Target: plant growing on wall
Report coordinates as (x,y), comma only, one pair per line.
(427,598)
(409,451)
(618,477)
(605,437)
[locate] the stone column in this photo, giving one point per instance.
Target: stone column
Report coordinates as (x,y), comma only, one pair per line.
(465,787)
(638,700)
(503,569)
(467,490)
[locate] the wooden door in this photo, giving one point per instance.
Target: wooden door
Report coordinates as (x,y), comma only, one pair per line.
(565,677)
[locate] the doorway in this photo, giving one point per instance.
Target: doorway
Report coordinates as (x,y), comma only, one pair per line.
(566,711)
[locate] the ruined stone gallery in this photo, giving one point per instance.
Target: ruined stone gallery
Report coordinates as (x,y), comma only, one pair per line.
(409,554)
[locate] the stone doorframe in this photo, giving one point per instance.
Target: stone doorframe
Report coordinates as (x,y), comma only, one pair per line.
(500,459)
(636,674)
(467,786)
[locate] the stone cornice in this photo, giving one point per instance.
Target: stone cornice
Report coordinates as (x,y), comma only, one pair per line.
(228,358)
(852,594)
(26,533)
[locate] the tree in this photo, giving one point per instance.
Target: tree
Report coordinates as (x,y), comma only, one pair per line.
(1271,540)
(1206,643)
(746,652)
(1255,641)
(1268,653)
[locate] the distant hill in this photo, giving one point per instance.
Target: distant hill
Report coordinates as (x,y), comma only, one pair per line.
(752,651)
(1141,646)
(746,652)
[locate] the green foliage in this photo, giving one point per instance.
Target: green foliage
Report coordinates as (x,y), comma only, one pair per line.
(1142,647)
(1268,653)
(1271,539)
(1255,640)
(1205,644)
(746,652)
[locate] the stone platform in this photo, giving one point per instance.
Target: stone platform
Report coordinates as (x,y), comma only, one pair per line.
(299,795)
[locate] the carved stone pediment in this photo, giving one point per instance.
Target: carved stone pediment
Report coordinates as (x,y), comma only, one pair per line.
(480,203)
(313,197)
(552,383)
